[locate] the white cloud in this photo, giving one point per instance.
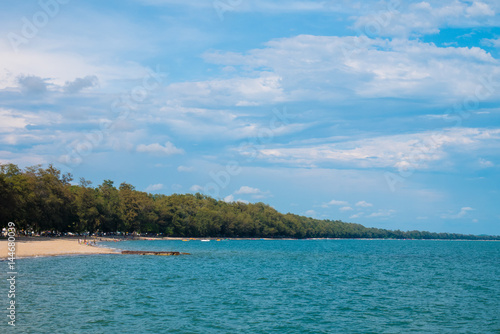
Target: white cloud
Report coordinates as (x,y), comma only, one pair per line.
(310,213)
(23,159)
(154,187)
(14,128)
(196,188)
(461,214)
(73,46)
(10,122)
(408,151)
(262,6)
(423,18)
(357,215)
(479,9)
(266,88)
(337,68)
(247,190)
(364,204)
(491,42)
(346,208)
(58,69)
(254,192)
(216,124)
(485,163)
(229,199)
(158,149)
(335,202)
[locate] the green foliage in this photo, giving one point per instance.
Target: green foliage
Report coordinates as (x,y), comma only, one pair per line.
(43,199)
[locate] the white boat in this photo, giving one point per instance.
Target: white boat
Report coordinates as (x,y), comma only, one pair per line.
(204,240)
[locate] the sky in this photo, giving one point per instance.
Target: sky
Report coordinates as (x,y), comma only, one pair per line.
(383,113)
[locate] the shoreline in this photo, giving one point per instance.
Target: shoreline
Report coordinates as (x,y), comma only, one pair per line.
(27,247)
(116,239)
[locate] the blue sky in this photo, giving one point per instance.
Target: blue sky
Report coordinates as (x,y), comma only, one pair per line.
(384,113)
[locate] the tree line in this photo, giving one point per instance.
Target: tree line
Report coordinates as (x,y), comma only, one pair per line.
(43,199)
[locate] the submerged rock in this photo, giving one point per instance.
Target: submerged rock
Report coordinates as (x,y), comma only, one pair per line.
(153,253)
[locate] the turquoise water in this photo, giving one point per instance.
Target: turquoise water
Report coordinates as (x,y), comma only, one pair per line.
(300,286)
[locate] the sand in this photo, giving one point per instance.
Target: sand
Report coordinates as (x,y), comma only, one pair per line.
(50,247)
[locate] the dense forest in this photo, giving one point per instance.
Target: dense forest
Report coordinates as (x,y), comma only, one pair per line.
(42,199)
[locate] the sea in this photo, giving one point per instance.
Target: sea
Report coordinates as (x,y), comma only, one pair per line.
(263,286)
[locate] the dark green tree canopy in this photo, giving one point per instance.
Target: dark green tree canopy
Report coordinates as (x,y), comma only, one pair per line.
(42,199)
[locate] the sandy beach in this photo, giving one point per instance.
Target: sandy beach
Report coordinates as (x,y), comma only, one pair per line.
(31,247)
